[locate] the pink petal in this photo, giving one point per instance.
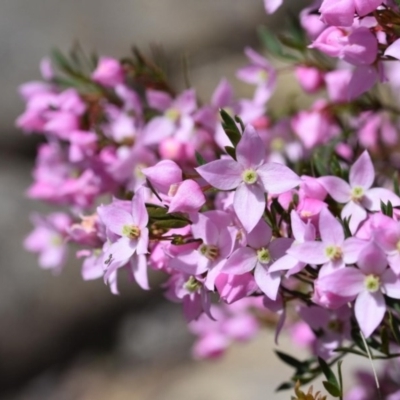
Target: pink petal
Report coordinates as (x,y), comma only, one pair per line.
(139,212)
(369,311)
(345,282)
(158,100)
(364,78)
(309,252)
(163,175)
(143,242)
(362,172)
(364,7)
(250,151)
(279,246)
(284,263)
(260,236)
(387,235)
(138,267)
(330,228)
(357,214)
(241,261)
(394,262)
(277,178)
(272,5)
(186,102)
(191,263)
(203,228)
(249,74)
(337,12)
(391,284)
(298,227)
(373,197)
(223,174)
(249,205)
(268,283)
(115,218)
(222,95)
(120,251)
(337,188)
(393,50)
(372,260)
(157,129)
(352,248)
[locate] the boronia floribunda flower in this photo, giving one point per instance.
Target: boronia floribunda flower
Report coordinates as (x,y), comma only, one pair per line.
(253,215)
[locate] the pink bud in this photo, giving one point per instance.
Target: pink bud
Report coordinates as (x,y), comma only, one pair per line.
(163,175)
(188,197)
(172,149)
(310,78)
(109,72)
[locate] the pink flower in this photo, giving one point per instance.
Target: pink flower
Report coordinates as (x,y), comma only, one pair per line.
(341,12)
(367,284)
(109,72)
(358,195)
(302,232)
(259,73)
(48,239)
(333,251)
(176,120)
(251,176)
(388,238)
(258,255)
(209,256)
(133,236)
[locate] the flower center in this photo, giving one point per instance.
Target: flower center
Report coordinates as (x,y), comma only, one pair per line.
(263,255)
(249,176)
(357,193)
(192,285)
(334,252)
(277,144)
(262,76)
(335,326)
(209,251)
(56,240)
(173,114)
(398,246)
(372,283)
(131,231)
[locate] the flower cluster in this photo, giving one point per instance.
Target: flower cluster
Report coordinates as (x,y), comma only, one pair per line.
(286,215)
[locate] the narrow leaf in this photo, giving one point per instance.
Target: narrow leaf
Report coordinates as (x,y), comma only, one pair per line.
(331,389)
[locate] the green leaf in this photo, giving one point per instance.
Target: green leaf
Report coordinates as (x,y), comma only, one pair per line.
(231,151)
(230,127)
(270,41)
(336,169)
(385,341)
(170,223)
(350,350)
(199,158)
(284,386)
(394,327)
(331,389)
(326,370)
(396,185)
(339,367)
(240,122)
(61,61)
(287,359)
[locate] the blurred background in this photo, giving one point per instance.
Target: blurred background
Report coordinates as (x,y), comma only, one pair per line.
(62,338)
